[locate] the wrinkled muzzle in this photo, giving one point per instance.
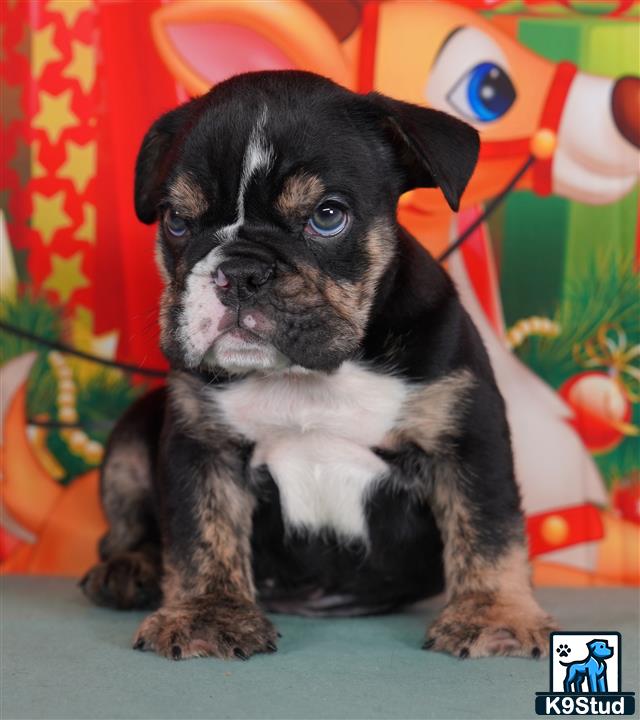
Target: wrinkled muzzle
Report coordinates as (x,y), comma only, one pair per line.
(241,310)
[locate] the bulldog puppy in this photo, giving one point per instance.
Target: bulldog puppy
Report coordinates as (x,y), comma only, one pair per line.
(331,440)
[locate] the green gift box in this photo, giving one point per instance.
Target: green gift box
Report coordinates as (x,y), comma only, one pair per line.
(566,260)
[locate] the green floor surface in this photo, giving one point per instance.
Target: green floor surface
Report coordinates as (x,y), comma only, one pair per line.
(62,658)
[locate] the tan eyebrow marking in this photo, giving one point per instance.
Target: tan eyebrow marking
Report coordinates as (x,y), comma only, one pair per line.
(300,194)
(187,196)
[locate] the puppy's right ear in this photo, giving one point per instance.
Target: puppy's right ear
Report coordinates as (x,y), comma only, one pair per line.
(432,148)
(154,160)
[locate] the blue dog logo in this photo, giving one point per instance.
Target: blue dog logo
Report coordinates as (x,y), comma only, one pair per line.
(593,669)
(585,687)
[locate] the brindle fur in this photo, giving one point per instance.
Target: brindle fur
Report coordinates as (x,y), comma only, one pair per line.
(127,580)
(299,196)
(186,194)
(217,624)
(432,413)
(190,519)
(208,573)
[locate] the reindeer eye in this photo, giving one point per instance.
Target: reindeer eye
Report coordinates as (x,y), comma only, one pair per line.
(471,78)
(483,94)
(329,219)
(175,224)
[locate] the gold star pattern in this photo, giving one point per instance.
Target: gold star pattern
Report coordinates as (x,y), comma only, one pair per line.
(37,169)
(43,50)
(80,165)
(49,215)
(87,231)
(55,114)
(82,66)
(69,9)
(66,276)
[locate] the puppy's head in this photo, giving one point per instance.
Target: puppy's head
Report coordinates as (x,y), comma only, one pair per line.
(276,198)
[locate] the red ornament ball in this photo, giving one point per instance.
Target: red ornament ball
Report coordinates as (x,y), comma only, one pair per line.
(600,406)
(626,501)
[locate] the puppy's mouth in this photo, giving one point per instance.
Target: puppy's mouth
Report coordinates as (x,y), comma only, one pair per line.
(247,324)
(243,344)
(240,335)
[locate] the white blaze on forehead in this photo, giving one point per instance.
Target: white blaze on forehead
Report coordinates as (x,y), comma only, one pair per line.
(258,155)
(202,311)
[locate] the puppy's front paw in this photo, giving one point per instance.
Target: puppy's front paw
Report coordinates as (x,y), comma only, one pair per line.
(483,624)
(221,627)
(130,580)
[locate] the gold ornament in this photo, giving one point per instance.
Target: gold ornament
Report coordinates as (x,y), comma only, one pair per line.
(528,327)
(610,349)
(77,440)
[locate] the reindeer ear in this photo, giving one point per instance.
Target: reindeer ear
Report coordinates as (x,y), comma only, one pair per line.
(154,160)
(433,149)
(203,43)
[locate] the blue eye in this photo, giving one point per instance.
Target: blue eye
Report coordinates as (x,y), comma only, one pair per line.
(328,219)
(174,224)
(484,94)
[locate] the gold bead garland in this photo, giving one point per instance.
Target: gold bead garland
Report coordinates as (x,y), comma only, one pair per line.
(527,327)
(77,440)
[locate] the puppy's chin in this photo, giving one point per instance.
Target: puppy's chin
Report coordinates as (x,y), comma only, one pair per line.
(241,352)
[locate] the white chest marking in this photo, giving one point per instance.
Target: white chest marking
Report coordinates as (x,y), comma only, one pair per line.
(314,433)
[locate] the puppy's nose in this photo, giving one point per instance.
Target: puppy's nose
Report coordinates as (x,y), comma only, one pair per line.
(625,107)
(244,276)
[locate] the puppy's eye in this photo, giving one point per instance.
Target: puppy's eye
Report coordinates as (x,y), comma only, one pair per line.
(329,218)
(175,224)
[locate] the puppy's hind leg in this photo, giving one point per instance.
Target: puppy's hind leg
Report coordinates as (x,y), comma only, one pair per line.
(129,575)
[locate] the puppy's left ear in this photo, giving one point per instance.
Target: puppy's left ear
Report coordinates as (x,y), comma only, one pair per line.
(433,149)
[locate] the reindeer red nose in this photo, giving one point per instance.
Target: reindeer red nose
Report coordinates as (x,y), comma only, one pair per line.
(625,106)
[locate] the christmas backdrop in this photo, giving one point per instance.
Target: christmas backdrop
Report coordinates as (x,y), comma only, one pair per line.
(550,275)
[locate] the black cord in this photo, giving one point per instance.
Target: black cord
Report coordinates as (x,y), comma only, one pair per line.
(63,347)
(490,208)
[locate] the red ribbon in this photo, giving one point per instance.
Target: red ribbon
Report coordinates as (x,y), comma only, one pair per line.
(368,46)
(550,120)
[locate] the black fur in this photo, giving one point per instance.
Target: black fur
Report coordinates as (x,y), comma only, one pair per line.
(368,150)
